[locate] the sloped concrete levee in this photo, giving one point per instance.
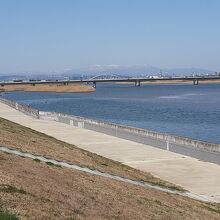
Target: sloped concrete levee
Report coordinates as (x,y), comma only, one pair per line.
(199,149)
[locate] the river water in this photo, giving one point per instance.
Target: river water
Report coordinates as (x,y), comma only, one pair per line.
(184,110)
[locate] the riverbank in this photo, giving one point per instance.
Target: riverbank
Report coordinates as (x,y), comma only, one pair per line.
(48,88)
(30,188)
(169,166)
(41,144)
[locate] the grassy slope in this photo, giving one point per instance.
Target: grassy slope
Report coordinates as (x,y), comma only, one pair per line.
(28,140)
(36,190)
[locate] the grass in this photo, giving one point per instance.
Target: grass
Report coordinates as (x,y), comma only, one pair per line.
(6,215)
(68,194)
(11,189)
(213,207)
(63,193)
(52,164)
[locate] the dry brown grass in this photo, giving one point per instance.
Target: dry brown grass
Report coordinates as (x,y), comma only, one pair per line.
(28,140)
(48,88)
(36,190)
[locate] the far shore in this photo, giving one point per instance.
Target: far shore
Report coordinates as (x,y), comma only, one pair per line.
(173,82)
(75,88)
(81,88)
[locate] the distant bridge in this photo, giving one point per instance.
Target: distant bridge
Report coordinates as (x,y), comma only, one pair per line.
(115,78)
(112,76)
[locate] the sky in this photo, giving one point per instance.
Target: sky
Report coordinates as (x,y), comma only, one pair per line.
(58,35)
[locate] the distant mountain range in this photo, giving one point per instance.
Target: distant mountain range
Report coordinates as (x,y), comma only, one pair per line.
(108,70)
(137,70)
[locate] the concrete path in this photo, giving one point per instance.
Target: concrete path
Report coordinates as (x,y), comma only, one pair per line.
(201,178)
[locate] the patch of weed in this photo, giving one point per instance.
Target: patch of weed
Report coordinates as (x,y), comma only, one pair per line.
(11,189)
(52,164)
(213,208)
(6,215)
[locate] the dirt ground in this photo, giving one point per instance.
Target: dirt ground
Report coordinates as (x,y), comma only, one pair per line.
(48,88)
(34,190)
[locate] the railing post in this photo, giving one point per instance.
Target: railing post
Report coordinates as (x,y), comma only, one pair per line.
(168,144)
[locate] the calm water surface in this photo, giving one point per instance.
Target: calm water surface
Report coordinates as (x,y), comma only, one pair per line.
(185,110)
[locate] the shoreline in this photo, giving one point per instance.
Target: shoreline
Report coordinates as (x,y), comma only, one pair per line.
(69,88)
(167,165)
(79,121)
(176,168)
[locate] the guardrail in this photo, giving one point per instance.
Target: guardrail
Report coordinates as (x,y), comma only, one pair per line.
(22,108)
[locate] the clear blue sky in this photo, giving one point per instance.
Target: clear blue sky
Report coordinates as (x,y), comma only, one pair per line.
(46,35)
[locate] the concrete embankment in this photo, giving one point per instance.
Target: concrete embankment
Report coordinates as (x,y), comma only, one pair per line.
(186,146)
(199,149)
(196,176)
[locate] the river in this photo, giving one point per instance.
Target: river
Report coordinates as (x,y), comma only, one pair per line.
(184,110)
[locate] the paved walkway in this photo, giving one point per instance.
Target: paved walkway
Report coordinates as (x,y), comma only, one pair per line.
(201,178)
